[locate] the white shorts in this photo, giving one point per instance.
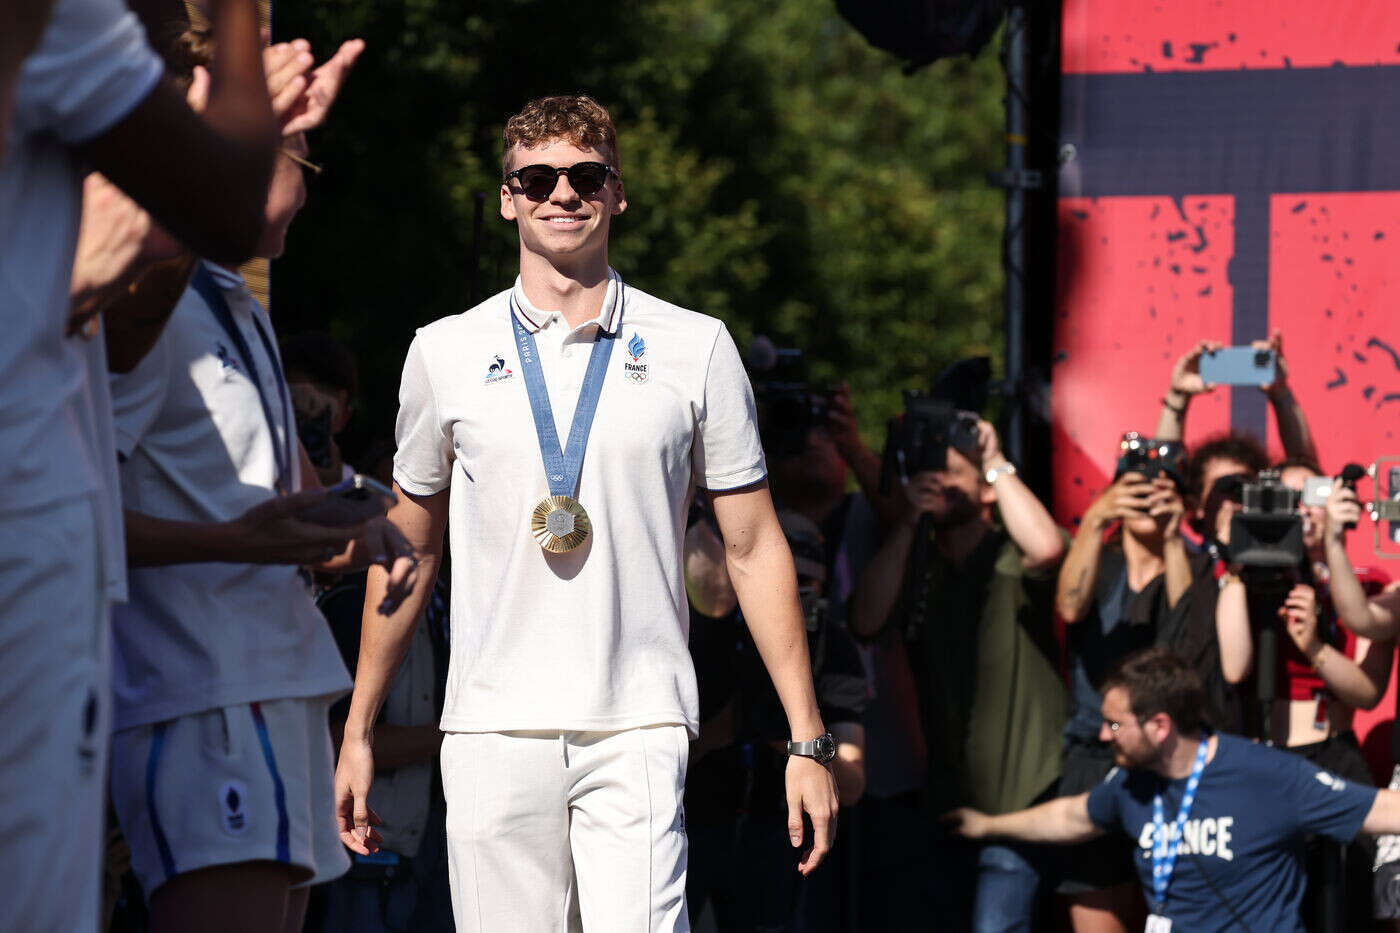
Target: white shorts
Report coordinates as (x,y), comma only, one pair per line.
(560,832)
(251,782)
(55,705)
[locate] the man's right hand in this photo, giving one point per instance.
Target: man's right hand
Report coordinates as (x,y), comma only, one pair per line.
(354,774)
(269,533)
(966,822)
(1186,374)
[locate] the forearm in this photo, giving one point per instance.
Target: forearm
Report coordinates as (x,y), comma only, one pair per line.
(384,641)
(1384,815)
(1178,572)
(1171,423)
(879,587)
(158,542)
(1075,587)
(1028,522)
(1293,430)
(239,106)
(1064,819)
(1232,631)
(1345,678)
(765,582)
(1354,609)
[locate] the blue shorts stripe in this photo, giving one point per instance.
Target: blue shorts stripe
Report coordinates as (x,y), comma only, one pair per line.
(284,833)
(167,860)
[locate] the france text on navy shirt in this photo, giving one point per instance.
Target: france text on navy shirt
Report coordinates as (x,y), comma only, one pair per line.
(1241,854)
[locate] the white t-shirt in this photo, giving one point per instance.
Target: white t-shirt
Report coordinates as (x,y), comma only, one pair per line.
(593,639)
(197,447)
(92,66)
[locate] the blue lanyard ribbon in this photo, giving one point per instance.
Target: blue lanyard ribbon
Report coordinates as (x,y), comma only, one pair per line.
(213,296)
(562,467)
(1165,846)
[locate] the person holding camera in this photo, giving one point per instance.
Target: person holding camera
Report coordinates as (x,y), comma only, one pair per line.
(1218,820)
(1325,673)
(1126,570)
(1369,608)
(967,577)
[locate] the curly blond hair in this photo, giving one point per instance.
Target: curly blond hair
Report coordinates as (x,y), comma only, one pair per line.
(578,118)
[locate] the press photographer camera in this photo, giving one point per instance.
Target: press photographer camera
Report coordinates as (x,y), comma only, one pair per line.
(788,405)
(919,439)
(1151,457)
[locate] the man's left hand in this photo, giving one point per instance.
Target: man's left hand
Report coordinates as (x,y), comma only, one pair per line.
(315,102)
(811,789)
(989,445)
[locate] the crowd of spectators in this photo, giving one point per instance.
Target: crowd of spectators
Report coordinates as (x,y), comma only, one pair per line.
(994,684)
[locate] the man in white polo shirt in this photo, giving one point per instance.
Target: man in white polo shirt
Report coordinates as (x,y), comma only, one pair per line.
(571,693)
(90,94)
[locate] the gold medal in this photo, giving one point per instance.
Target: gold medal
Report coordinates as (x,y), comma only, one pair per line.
(559,524)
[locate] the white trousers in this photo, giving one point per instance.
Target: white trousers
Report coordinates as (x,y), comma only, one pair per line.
(550,831)
(54,697)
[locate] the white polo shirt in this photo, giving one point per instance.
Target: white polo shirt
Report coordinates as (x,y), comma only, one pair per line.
(92,66)
(198,448)
(594,639)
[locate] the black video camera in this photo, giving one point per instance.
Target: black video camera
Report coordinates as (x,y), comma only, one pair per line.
(919,439)
(1266,536)
(788,406)
(1150,457)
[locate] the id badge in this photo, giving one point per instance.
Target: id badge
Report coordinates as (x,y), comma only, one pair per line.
(1158,924)
(1320,721)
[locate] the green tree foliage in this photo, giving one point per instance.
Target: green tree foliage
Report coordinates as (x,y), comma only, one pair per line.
(782,175)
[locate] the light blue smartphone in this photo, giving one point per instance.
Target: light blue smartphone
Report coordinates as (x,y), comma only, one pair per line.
(1239,366)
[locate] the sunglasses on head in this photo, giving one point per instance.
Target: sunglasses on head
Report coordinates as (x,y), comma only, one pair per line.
(586,178)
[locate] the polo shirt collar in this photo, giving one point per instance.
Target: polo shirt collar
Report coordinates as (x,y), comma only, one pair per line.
(225,278)
(608,319)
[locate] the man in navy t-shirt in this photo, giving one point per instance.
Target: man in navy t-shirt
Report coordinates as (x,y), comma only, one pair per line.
(1237,848)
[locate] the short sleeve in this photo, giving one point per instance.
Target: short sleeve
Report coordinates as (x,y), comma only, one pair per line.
(91,68)
(1326,804)
(1104,809)
(423,462)
(139,395)
(727,452)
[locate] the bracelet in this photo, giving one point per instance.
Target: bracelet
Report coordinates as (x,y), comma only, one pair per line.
(1172,408)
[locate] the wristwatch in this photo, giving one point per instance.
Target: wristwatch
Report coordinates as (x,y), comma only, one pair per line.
(995,473)
(821,749)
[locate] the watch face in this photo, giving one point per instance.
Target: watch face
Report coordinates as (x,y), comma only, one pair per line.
(825,748)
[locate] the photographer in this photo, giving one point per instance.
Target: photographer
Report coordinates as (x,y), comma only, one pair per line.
(974,557)
(1325,673)
(1370,609)
(1113,594)
(1186,383)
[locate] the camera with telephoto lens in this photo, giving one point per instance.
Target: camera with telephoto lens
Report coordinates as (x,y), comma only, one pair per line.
(919,439)
(1266,535)
(788,406)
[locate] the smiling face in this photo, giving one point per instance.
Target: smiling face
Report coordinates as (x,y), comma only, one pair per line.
(565,228)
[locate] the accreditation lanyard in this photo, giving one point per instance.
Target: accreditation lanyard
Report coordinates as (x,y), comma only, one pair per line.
(1165,848)
(562,467)
(213,296)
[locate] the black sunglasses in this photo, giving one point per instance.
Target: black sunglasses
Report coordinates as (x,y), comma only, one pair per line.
(586,178)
